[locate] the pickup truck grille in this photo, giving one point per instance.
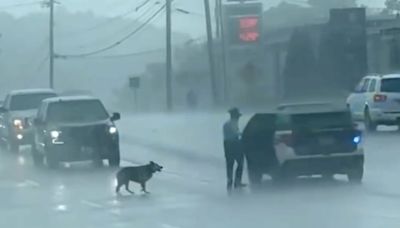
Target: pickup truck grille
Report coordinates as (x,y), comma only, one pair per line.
(84,136)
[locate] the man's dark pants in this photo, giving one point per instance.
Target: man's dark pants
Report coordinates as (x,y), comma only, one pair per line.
(233,153)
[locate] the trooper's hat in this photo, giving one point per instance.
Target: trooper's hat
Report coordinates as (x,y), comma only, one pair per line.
(235,112)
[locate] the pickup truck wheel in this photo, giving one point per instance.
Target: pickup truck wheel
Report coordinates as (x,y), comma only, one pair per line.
(38,159)
(114,160)
(369,124)
(355,175)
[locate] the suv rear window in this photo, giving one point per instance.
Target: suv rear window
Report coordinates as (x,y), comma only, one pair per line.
(28,101)
(322,120)
(390,85)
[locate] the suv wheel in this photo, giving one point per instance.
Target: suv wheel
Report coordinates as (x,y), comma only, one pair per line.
(356,174)
(51,159)
(37,157)
(114,160)
(369,124)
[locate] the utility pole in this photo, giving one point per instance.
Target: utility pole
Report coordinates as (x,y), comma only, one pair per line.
(211,51)
(169,56)
(51,43)
(217,19)
(223,47)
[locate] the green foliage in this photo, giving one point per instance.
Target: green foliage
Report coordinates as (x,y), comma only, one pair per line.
(392,6)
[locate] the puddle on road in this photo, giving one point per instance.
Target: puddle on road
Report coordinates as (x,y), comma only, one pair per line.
(61,208)
(27,183)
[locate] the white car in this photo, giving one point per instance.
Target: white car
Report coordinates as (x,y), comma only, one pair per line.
(18,107)
(376,101)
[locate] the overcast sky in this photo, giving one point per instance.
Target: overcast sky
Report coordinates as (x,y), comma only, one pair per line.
(192,24)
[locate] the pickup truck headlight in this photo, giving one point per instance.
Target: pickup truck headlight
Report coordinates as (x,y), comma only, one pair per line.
(112,130)
(55,137)
(18,123)
(55,134)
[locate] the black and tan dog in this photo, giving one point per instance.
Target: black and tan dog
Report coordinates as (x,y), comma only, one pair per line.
(138,174)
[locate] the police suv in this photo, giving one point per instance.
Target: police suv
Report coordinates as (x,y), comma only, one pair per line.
(303,140)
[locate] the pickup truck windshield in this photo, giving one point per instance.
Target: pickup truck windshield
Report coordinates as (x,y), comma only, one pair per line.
(28,101)
(76,112)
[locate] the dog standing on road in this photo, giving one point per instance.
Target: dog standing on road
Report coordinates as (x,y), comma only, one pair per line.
(138,174)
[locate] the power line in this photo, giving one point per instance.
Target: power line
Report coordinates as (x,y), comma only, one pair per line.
(139,53)
(114,19)
(138,29)
(127,27)
(17,5)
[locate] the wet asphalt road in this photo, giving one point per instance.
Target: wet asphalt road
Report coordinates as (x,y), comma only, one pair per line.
(190,193)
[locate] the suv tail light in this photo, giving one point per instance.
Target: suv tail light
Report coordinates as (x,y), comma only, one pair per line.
(380,98)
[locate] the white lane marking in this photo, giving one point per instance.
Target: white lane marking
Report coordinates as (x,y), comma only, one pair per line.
(28,183)
(91,204)
(21,160)
(165,225)
(61,207)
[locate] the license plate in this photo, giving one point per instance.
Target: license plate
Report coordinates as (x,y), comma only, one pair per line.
(326,141)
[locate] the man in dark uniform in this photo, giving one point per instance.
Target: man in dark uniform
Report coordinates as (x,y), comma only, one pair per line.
(233,150)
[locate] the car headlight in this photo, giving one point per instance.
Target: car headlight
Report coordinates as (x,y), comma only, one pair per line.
(112,130)
(18,123)
(55,134)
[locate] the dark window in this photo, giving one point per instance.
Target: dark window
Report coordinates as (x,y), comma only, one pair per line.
(283,122)
(322,120)
(390,85)
(359,86)
(28,101)
(365,85)
(77,112)
(372,86)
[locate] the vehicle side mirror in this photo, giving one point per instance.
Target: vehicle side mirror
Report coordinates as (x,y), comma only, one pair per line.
(115,116)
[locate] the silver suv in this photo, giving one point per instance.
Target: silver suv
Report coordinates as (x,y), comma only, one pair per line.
(376,101)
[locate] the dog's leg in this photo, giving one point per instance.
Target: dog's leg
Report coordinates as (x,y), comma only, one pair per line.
(127,188)
(119,185)
(144,187)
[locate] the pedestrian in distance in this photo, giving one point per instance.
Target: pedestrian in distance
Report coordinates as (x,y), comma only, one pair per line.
(233,150)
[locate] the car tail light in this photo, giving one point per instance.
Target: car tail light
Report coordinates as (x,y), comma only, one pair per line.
(380,98)
(286,139)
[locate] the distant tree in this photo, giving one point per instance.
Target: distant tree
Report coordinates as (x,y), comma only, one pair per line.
(328,4)
(392,6)
(293,15)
